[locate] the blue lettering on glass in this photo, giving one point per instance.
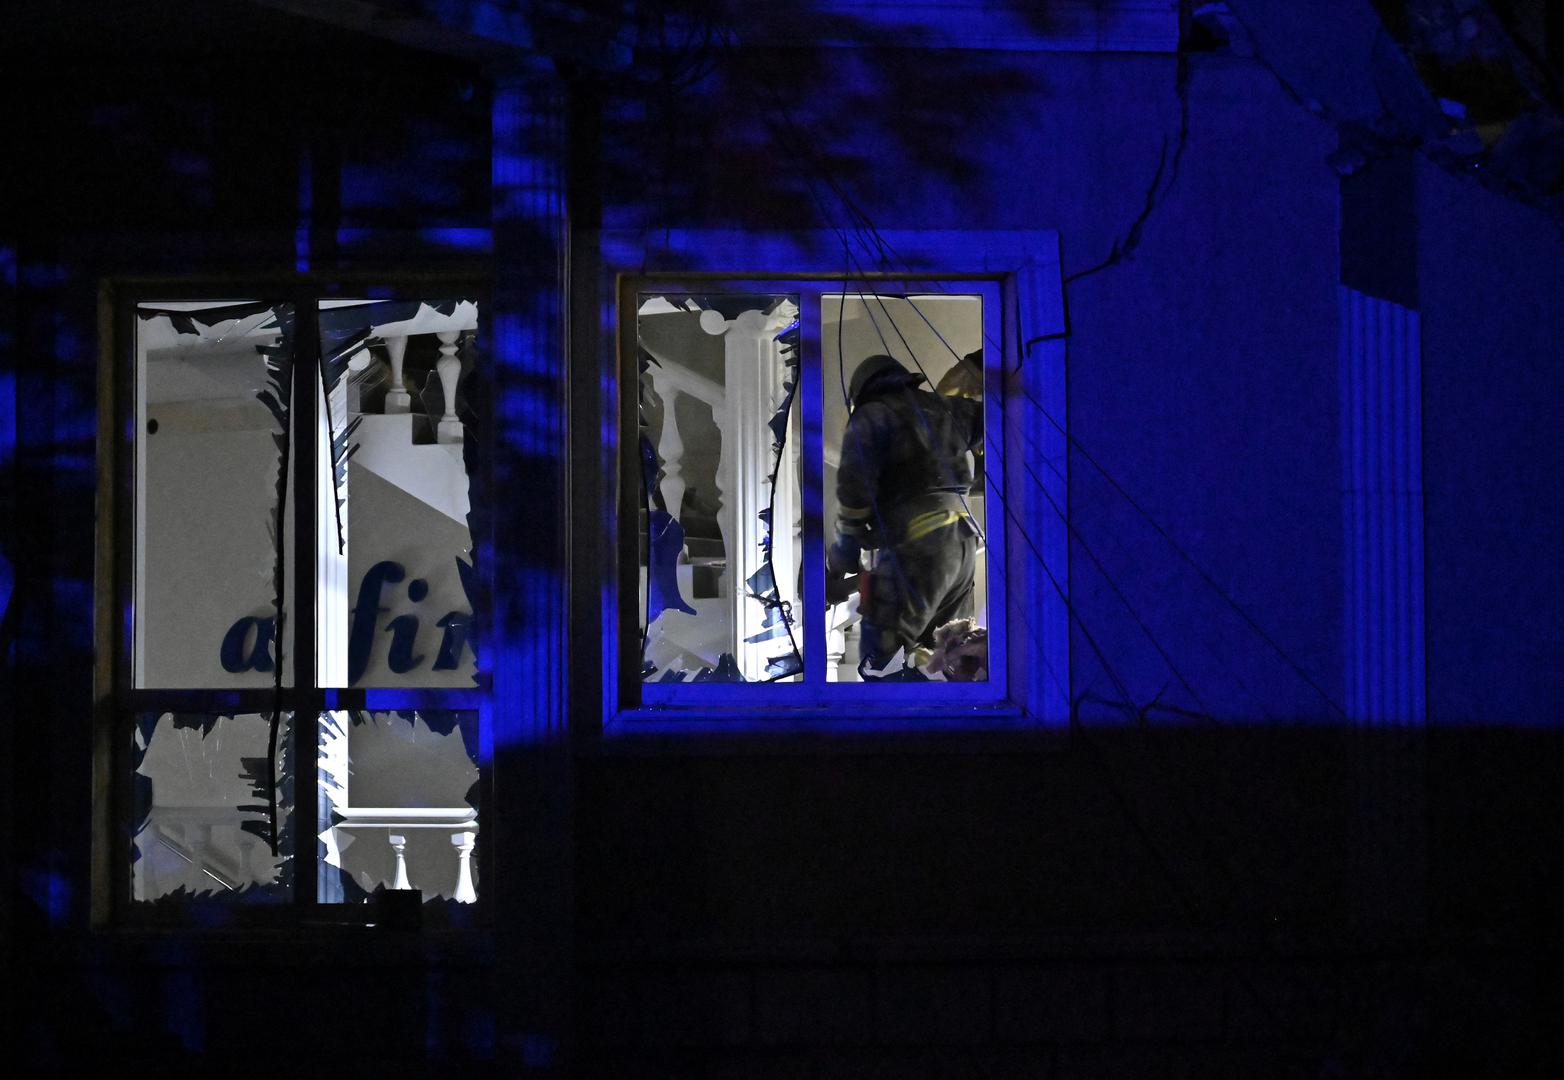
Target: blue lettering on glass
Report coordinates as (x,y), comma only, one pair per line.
(236,657)
(403,631)
(247,645)
(455,625)
(366,613)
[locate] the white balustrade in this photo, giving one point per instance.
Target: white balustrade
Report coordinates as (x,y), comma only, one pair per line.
(460,821)
(447,328)
(752,389)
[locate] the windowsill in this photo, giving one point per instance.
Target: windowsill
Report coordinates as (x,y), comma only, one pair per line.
(940,730)
(358,945)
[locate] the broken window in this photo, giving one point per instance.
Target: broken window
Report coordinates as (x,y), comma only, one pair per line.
(719,521)
(213,392)
(311,455)
(399,792)
(202,785)
(808,468)
(394,607)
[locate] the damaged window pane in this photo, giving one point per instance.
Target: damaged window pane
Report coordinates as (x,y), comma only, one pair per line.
(394,442)
(202,822)
(719,516)
(359,508)
(907,581)
(398,804)
(211,404)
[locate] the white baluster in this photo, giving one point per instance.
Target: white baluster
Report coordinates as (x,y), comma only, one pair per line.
(398,400)
(357,364)
(463,842)
(399,845)
(670,444)
(449,368)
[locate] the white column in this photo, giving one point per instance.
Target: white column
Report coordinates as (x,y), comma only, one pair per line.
(749,364)
(463,842)
(398,400)
(399,845)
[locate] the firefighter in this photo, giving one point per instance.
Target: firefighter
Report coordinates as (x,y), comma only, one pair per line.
(901,491)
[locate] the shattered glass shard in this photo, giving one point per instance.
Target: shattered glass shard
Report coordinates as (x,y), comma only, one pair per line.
(201,825)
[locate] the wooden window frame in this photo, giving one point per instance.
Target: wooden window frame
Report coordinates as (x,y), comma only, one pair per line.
(117,702)
(1024,269)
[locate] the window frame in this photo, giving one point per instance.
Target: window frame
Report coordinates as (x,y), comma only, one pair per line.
(1024,269)
(118,702)
(814,691)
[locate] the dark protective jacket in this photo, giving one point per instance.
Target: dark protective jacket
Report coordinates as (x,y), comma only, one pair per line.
(904,469)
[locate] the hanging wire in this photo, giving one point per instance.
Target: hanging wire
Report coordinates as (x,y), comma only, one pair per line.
(946,406)
(875,244)
(802,150)
(879,245)
(874,504)
(1178,549)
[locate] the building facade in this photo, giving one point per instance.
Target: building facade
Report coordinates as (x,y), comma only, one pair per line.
(431,425)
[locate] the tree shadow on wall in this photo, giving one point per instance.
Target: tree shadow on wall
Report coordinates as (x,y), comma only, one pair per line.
(732,114)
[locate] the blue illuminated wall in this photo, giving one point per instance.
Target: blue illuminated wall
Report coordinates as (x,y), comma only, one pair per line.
(1203,377)
(1202,368)
(1493,340)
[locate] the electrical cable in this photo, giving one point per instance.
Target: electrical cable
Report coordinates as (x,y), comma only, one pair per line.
(1204,574)
(1123,247)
